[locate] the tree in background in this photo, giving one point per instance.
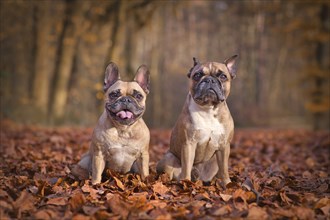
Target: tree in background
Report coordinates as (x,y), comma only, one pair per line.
(315,47)
(53,55)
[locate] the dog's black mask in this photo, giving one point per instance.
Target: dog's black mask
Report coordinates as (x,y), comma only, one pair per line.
(209,91)
(124,110)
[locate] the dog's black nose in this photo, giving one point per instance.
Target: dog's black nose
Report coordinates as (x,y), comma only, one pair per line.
(209,80)
(125,99)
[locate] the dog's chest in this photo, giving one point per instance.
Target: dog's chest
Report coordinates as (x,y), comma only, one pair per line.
(209,130)
(120,151)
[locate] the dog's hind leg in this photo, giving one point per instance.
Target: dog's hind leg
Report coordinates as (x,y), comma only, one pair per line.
(83,168)
(169,164)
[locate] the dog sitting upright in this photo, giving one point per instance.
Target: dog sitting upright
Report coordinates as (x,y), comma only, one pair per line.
(200,139)
(120,140)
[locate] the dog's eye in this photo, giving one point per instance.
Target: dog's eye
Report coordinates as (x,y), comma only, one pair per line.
(114,95)
(198,76)
(223,76)
(137,95)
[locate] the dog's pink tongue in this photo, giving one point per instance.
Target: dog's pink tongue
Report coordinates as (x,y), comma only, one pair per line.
(125,114)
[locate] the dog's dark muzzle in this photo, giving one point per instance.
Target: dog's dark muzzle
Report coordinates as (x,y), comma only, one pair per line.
(209,91)
(125,110)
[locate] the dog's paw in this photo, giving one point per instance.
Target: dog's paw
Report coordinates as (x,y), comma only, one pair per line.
(195,174)
(225,182)
(96,181)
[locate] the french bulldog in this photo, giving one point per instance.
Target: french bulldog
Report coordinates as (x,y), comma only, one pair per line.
(200,139)
(120,140)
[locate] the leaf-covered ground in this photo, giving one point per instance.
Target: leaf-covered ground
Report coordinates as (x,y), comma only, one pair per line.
(276,174)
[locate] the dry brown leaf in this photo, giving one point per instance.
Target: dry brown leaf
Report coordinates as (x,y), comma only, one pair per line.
(326,210)
(223,210)
(119,184)
(324,205)
(81,217)
(310,162)
(225,197)
(118,205)
(94,193)
(160,214)
(6,206)
(90,210)
(57,201)
(45,214)
(321,203)
(160,188)
(25,202)
(240,194)
(280,212)
(158,204)
(322,188)
(285,198)
(257,213)
(203,196)
(304,213)
(77,201)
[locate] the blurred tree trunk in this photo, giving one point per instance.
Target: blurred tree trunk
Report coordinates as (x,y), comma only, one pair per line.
(130,17)
(156,38)
(16,22)
(320,96)
(73,28)
(45,57)
(120,49)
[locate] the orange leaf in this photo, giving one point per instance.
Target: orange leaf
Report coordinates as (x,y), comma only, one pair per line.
(57,201)
(225,197)
(159,188)
(119,183)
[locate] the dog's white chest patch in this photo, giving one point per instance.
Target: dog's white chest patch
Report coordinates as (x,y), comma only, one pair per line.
(205,121)
(119,156)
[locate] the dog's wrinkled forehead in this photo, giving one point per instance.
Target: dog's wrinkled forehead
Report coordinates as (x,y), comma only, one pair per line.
(126,88)
(210,68)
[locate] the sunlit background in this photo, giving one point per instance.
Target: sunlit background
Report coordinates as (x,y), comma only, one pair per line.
(53,55)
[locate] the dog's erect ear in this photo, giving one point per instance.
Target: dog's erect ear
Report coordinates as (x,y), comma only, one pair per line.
(142,77)
(111,76)
(231,65)
(196,61)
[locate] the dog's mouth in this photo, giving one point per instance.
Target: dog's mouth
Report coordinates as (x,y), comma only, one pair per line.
(208,97)
(124,117)
(208,91)
(124,114)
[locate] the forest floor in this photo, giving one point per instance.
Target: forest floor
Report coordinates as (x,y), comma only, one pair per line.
(276,174)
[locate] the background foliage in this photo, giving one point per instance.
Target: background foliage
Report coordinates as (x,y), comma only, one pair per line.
(53,55)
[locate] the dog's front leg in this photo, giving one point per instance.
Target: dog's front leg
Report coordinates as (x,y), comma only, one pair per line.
(98,165)
(187,160)
(222,158)
(144,165)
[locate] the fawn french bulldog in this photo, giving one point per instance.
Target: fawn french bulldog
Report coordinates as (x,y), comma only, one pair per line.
(120,140)
(200,139)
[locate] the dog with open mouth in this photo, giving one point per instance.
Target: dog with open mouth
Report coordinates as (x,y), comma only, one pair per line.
(120,140)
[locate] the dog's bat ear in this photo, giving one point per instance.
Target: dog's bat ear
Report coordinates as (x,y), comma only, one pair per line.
(111,76)
(196,61)
(231,65)
(142,77)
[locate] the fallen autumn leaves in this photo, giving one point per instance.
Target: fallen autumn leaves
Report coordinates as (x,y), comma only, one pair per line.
(275,175)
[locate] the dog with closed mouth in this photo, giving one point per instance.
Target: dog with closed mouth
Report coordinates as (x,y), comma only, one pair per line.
(120,140)
(200,139)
